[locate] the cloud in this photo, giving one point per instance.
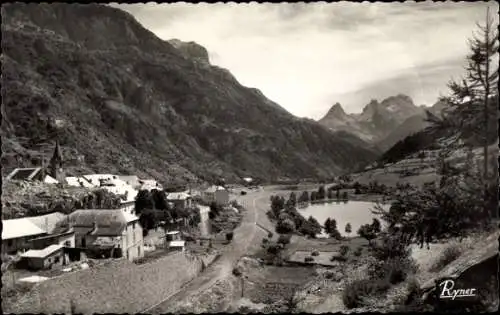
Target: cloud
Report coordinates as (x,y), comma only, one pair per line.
(306,57)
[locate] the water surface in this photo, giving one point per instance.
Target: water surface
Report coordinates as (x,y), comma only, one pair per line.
(355,212)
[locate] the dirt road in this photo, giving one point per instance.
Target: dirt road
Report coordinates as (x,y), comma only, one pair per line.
(244,242)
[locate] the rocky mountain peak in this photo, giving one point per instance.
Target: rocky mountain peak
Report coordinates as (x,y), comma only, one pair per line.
(336,111)
(191,50)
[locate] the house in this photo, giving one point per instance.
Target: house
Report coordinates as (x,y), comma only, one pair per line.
(79,181)
(17,233)
(96,179)
(48,223)
(216,194)
(149,184)
(131,180)
(181,200)
(46,258)
(113,230)
(121,188)
(175,241)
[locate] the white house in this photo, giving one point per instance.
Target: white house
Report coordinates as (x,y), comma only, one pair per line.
(121,188)
(217,194)
(17,234)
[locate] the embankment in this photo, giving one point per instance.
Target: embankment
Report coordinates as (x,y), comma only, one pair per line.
(116,287)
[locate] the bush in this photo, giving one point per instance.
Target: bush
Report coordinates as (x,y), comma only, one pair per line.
(394,270)
(356,292)
(229,236)
(265,241)
(309,259)
(358,251)
(344,249)
(270,235)
(315,253)
(284,239)
(389,247)
(237,272)
(450,254)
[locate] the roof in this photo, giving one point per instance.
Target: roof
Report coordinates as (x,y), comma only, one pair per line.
(214,188)
(47,222)
(173,232)
(33,279)
(108,222)
(132,180)
(105,241)
(24,173)
(178,196)
(50,180)
(79,181)
(94,178)
(16,228)
(177,243)
(42,253)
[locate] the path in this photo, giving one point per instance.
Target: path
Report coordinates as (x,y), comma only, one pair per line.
(244,240)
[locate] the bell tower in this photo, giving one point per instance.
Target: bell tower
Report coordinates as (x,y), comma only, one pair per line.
(56,164)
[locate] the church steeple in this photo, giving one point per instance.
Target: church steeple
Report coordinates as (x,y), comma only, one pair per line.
(56,164)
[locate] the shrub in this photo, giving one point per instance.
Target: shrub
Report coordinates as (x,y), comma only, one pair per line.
(356,292)
(270,235)
(315,253)
(450,254)
(284,239)
(309,259)
(344,249)
(394,270)
(229,236)
(338,258)
(389,247)
(237,272)
(265,241)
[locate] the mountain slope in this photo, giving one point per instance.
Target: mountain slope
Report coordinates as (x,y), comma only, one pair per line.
(122,100)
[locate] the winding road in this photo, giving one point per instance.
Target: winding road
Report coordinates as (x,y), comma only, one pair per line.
(245,241)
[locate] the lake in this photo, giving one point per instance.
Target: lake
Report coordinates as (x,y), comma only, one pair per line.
(355,212)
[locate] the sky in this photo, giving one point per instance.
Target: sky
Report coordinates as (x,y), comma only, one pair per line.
(308,56)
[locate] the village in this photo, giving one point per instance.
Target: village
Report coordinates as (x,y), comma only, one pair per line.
(37,248)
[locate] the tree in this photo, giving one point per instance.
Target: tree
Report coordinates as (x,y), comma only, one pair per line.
(376,227)
(337,194)
(143,200)
(314,224)
(345,195)
(327,223)
(472,105)
(348,228)
(304,197)
(330,194)
(314,195)
(159,199)
(321,192)
(285,226)
(366,232)
(293,199)
(277,204)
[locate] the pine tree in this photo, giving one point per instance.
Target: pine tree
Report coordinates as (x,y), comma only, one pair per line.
(472,106)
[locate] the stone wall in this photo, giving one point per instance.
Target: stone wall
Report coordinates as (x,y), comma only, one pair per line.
(116,287)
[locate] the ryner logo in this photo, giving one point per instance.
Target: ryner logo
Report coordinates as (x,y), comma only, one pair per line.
(448,291)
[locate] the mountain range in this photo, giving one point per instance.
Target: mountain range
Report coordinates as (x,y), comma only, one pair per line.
(381,124)
(119,99)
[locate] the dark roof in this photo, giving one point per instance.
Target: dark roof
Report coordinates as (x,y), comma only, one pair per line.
(108,222)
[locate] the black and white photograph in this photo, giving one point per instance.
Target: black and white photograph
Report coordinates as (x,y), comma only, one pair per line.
(245,157)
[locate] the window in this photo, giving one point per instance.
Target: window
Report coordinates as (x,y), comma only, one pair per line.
(56,259)
(9,243)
